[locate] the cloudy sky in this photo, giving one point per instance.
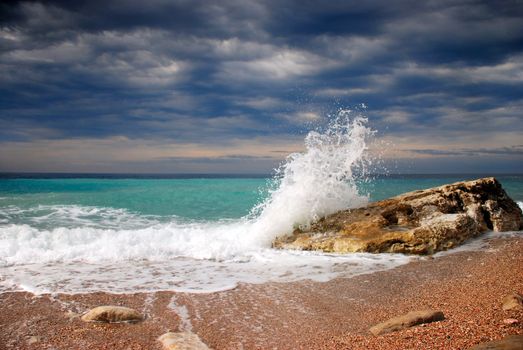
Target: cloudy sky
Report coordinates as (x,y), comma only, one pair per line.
(232,86)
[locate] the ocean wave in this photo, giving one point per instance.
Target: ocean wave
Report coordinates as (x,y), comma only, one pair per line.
(190,275)
(319,181)
(118,250)
(53,216)
(26,244)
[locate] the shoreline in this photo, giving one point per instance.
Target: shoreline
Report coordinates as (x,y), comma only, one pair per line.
(467,286)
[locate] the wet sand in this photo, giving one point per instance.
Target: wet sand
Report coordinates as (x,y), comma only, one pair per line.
(468,287)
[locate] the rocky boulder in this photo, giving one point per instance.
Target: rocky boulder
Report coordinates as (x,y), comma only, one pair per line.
(419,222)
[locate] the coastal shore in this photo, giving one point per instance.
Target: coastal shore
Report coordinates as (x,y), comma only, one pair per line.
(468,287)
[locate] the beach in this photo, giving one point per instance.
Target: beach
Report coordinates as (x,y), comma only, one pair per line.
(468,287)
(194,175)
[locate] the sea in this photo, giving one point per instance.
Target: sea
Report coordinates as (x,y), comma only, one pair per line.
(196,233)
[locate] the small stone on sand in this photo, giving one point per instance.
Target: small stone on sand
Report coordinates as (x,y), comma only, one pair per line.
(510,321)
(182,341)
(111,314)
(33,339)
(70,315)
(408,320)
(513,301)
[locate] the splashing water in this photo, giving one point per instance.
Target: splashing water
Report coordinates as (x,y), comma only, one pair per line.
(319,181)
(201,256)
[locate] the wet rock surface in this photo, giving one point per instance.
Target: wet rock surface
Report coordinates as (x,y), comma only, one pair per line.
(419,222)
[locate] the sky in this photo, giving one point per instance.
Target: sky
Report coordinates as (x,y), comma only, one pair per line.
(158,86)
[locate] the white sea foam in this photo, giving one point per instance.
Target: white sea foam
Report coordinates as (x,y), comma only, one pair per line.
(520,204)
(188,274)
(43,216)
(182,312)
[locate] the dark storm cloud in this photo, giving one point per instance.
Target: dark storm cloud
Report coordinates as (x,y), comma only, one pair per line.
(54,20)
(205,73)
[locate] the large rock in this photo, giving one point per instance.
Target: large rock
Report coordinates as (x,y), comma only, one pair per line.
(420,222)
(110,314)
(411,319)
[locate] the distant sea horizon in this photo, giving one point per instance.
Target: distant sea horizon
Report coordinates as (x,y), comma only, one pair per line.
(131,175)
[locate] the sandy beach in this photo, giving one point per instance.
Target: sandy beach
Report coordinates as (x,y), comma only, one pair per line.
(467,286)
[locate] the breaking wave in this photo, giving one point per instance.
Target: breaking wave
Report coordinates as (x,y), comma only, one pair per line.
(307,186)
(42,246)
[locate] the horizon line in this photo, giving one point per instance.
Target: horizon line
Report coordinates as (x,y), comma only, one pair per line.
(12,174)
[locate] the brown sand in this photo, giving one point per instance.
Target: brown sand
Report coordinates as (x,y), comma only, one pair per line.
(468,287)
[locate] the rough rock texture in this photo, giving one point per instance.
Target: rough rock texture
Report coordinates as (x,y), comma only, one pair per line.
(420,222)
(513,301)
(408,320)
(109,313)
(513,342)
(182,341)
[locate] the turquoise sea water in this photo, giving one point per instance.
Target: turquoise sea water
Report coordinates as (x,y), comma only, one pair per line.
(196,198)
(187,199)
(125,234)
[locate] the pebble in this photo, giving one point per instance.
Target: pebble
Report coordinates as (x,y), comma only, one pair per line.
(112,314)
(182,341)
(513,301)
(413,318)
(510,321)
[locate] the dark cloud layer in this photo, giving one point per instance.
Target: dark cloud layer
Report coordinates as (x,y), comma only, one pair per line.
(441,79)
